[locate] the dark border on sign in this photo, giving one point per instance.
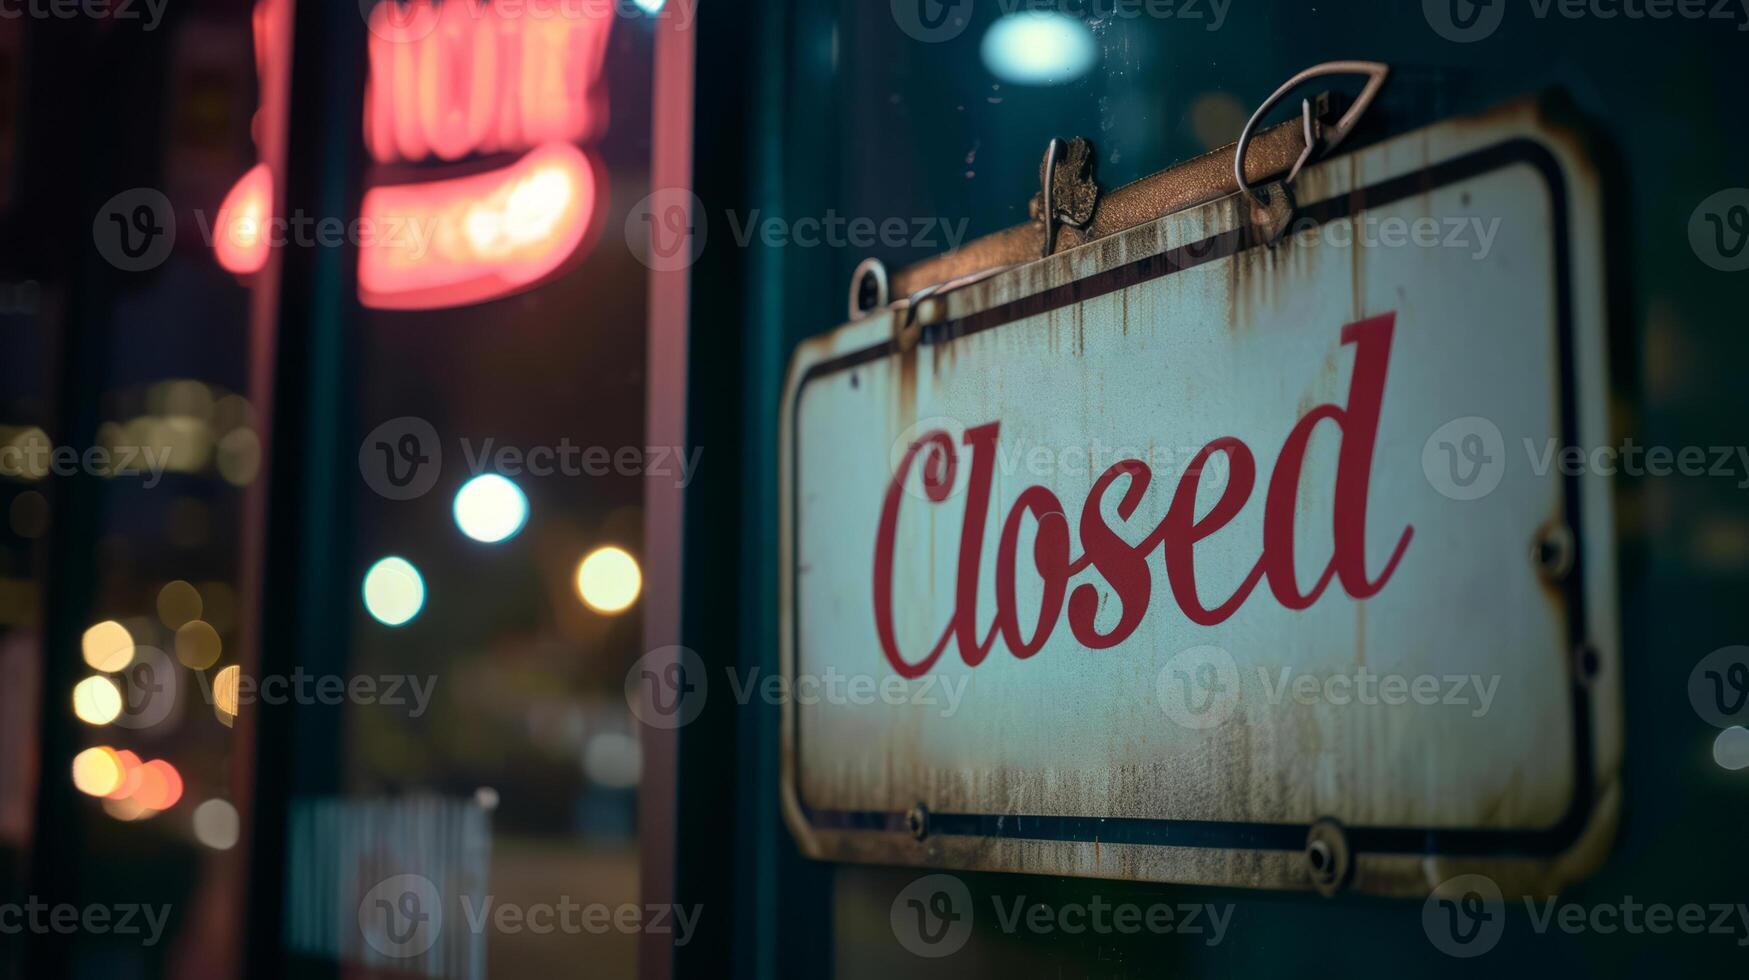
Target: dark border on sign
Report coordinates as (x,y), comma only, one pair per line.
(1234,834)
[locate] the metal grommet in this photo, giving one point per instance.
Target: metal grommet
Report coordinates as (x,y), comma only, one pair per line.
(917,821)
(1553,552)
(1331,136)
(1587,664)
(1329,862)
(868,287)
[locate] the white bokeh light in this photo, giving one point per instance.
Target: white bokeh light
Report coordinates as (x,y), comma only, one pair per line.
(490,509)
(393,591)
(1039,47)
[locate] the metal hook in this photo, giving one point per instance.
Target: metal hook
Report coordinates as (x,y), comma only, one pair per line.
(1332,135)
(1052,152)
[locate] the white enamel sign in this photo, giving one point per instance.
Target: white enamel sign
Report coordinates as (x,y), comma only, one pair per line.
(1153,556)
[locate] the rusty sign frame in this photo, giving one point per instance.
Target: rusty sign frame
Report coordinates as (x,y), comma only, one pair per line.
(1378,859)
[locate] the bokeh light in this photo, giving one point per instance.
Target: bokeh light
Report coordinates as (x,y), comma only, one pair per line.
(608,580)
(29,514)
(613,759)
(393,591)
(178,602)
(108,646)
(198,645)
(225,691)
(216,825)
(160,786)
(97,771)
(130,775)
(490,508)
(1731,748)
(1039,47)
(96,701)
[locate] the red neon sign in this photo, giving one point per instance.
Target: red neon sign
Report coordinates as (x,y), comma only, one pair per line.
(240,239)
(241,235)
(452,80)
(468,239)
(463,77)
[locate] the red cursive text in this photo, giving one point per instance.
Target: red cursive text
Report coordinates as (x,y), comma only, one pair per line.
(1127,568)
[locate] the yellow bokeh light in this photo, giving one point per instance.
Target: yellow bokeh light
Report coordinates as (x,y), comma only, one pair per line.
(608,580)
(197,645)
(225,690)
(96,701)
(97,771)
(178,603)
(108,646)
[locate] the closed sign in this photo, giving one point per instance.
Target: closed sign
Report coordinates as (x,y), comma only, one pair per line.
(1182,557)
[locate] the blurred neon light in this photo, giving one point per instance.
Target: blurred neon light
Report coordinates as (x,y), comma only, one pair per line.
(469,239)
(464,77)
(240,234)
